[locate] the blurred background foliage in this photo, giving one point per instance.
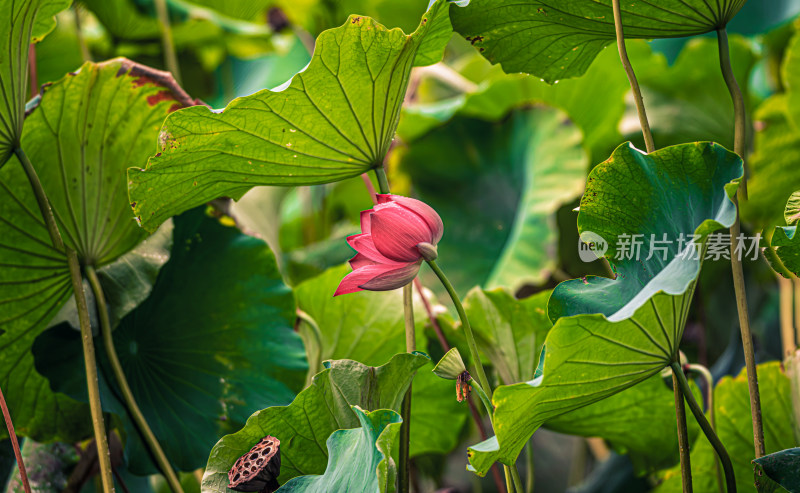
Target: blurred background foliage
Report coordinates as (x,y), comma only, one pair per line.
(489,151)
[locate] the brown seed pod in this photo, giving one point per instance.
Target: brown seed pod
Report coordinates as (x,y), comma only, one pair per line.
(258,469)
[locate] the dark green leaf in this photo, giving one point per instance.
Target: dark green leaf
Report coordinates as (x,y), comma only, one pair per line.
(504,189)
(333,120)
(316,412)
(212,343)
(612,334)
(26,21)
(560,39)
(85,131)
(781,467)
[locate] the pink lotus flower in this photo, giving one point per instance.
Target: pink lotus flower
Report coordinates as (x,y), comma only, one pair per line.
(397,235)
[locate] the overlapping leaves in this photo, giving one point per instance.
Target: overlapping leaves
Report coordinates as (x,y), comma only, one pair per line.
(318,411)
(359,460)
(86,130)
(612,334)
(557,39)
(333,120)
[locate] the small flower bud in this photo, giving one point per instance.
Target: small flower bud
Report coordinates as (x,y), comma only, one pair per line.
(429,252)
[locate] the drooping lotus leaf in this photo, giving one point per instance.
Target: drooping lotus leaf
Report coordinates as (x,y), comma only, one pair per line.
(85,131)
(24,21)
(350,325)
(212,343)
(611,334)
(333,120)
(511,334)
(735,430)
(504,191)
(781,468)
(359,460)
(558,39)
(322,408)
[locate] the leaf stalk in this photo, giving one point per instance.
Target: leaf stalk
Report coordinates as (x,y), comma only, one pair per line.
(98,425)
(119,374)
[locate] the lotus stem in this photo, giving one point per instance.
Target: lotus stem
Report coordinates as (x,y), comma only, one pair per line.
(683,435)
(170,58)
(93,388)
(405,411)
(637,92)
(23,474)
(473,348)
(708,430)
(119,374)
(736,263)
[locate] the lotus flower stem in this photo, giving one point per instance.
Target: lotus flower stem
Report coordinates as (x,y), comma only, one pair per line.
(736,264)
(637,92)
(473,348)
(119,374)
(405,411)
(23,475)
(708,430)
(683,434)
(487,404)
(93,388)
(516,478)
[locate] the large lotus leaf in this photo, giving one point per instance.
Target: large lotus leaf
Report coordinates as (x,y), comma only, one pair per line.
(498,93)
(333,120)
(26,21)
(648,407)
(511,333)
(369,327)
(686,101)
(781,468)
(359,460)
(612,334)
(735,430)
(316,412)
(212,343)
(84,132)
(557,39)
(773,175)
(507,179)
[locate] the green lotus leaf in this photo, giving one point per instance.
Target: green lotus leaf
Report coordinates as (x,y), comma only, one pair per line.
(349,327)
(735,430)
(504,191)
(359,460)
(790,71)
(318,411)
(84,132)
(194,373)
(333,120)
(558,39)
(611,334)
(781,468)
(26,21)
